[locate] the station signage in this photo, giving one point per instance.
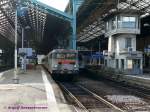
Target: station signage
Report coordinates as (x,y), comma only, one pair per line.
(147,50)
(27,51)
(97,55)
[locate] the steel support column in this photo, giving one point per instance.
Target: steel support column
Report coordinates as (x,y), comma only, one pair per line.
(16,80)
(16,25)
(73,24)
(22,37)
(22,62)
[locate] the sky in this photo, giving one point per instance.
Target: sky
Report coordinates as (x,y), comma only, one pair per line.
(58,4)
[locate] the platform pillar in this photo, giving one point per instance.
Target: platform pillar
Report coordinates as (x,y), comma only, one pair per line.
(16,79)
(73,25)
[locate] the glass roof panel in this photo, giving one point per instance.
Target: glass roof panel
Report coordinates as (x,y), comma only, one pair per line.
(58,4)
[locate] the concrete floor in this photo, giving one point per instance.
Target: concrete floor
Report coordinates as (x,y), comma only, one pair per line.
(36,92)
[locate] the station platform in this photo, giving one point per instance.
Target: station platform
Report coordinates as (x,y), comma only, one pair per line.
(139,80)
(142,81)
(36,92)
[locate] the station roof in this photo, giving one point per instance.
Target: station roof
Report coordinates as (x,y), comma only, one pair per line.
(92,13)
(45,29)
(41,22)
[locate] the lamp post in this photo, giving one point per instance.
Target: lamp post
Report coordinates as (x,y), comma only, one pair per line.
(24,54)
(16,79)
(22,38)
(99,52)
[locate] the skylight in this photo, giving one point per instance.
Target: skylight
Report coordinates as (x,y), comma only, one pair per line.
(58,4)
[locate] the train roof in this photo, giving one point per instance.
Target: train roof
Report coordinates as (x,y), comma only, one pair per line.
(63,50)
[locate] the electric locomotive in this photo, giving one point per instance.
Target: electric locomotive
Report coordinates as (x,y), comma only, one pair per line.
(62,62)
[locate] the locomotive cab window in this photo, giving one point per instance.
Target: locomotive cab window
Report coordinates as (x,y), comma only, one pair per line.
(71,56)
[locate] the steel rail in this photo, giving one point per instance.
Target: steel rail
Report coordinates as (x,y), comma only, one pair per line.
(133,89)
(102,99)
(73,97)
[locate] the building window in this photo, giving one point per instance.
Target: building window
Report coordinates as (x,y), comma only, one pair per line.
(107,26)
(129,22)
(128,42)
(129,64)
(117,63)
(106,63)
(113,23)
(119,22)
(122,63)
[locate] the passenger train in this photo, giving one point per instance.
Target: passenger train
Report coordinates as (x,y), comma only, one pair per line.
(62,62)
(90,59)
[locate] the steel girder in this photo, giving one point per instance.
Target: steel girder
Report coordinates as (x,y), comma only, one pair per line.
(6,18)
(53,11)
(71,18)
(87,33)
(35,18)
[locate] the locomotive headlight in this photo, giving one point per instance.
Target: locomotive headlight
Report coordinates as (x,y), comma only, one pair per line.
(56,66)
(75,66)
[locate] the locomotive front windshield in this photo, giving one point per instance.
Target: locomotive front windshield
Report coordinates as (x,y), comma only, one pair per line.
(67,56)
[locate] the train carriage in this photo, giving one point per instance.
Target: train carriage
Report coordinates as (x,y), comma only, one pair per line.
(62,61)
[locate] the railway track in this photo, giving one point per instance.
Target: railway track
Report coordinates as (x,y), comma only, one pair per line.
(128,99)
(86,101)
(135,89)
(137,106)
(145,93)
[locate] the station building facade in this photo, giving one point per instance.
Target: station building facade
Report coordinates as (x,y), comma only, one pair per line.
(121,31)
